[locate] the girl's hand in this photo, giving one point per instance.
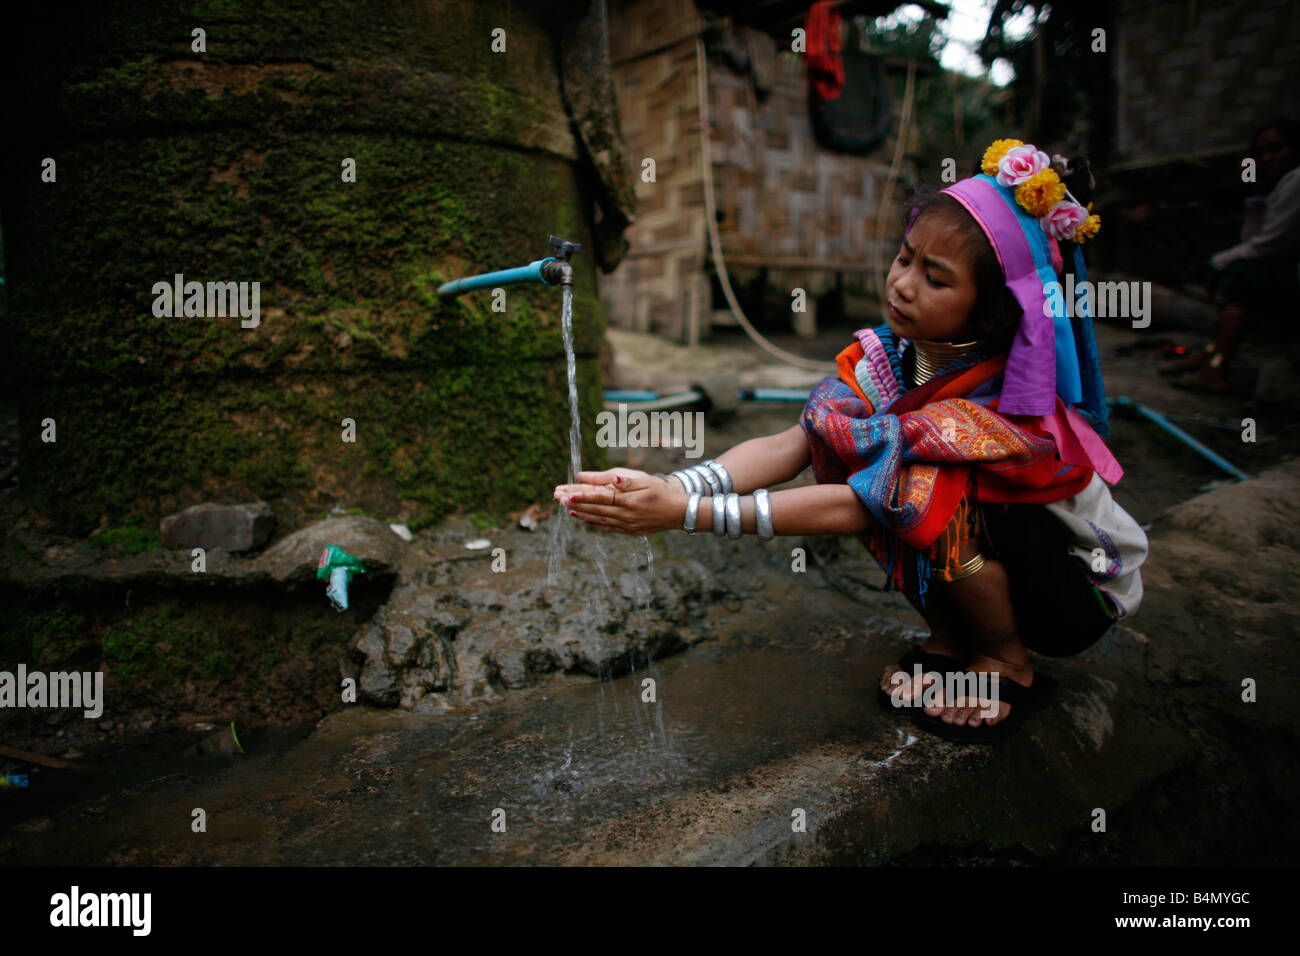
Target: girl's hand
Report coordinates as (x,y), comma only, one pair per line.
(626,501)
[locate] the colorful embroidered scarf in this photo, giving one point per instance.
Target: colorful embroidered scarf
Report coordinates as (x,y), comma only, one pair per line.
(916,456)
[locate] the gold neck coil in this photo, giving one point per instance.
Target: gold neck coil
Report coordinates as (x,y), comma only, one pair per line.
(933,356)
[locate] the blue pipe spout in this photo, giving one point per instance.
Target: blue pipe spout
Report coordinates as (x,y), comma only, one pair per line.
(533,272)
(553,270)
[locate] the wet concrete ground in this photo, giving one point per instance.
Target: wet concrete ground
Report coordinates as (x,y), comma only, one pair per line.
(767,720)
(773,714)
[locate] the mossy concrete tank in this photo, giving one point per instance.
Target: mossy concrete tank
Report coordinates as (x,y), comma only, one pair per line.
(228,165)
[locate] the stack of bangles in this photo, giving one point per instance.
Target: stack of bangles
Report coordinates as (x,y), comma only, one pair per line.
(964,570)
(712,479)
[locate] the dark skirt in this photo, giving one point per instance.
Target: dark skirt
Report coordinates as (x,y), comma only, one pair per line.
(1059,612)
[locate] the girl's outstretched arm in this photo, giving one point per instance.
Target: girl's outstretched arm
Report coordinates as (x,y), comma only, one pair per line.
(812,509)
(757,463)
(767,461)
(637,503)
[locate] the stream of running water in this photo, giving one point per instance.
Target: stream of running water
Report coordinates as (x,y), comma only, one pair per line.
(575,422)
(599,601)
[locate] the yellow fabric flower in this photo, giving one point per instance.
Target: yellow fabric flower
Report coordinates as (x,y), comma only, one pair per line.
(993,155)
(1088,228)
(1038,194)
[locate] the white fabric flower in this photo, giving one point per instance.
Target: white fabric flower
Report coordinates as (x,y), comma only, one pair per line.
(1020,163)
(1063,219)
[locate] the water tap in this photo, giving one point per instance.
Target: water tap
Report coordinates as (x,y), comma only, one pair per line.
(560,271)
(338,566)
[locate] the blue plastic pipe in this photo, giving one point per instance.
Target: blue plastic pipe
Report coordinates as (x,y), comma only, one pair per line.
(503,277)
(1153,416)
(631,395)
(746,395)
(774,395)
(650,397)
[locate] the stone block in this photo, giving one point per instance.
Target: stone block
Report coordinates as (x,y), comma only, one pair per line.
(242,527)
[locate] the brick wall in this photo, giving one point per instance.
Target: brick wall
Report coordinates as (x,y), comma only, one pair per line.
(1194,77)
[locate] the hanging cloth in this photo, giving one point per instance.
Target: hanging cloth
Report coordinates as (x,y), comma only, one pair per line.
(823,58)
(861,116)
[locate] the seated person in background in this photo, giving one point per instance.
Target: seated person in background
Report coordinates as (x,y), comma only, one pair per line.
(1255,279)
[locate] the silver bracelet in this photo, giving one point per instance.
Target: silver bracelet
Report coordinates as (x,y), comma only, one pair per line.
(698,486)
(733,516)
(724,476)
(763,515)
(686,481)
(720,515)
(692,514)
(709,478)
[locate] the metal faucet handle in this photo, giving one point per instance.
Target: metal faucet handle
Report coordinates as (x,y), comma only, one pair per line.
(563,248)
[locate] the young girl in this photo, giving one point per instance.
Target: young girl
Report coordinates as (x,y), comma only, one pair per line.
(959,442)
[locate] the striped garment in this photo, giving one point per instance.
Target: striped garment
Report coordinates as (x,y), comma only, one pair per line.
(916,456)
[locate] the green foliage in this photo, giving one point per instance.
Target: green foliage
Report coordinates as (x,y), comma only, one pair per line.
(1047,103)
(910,39)
(953,115)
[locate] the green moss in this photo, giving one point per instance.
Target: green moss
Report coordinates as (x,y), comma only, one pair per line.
(309,636)
(46,637)
(166,642)
(464,438)
(133,539)
(157,646)
(457,407)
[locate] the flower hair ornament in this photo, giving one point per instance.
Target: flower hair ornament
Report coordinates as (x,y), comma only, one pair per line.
(1026,211)
(1039,190)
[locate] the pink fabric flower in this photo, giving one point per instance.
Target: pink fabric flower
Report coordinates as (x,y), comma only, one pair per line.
(1063,219)
(1021,162)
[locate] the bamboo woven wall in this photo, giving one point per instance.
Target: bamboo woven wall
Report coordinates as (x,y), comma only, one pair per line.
(803,212)
(660,283)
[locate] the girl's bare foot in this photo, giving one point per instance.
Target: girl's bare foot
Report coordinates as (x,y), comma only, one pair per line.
(975,712)
(949,637)
(941,645)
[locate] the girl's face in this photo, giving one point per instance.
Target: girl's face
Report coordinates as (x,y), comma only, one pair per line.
(931,287)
